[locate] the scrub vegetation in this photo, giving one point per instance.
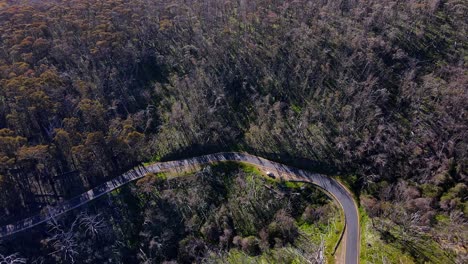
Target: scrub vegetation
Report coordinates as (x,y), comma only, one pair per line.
(372,91)
(226,213)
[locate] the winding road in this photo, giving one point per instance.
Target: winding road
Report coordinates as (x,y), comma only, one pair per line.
(350,241)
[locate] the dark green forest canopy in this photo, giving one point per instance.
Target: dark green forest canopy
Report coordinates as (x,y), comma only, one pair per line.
(372,90)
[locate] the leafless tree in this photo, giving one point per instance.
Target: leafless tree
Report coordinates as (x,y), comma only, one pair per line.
(144,258)
(320,257)
(93,224)
(64,241)
(12,259)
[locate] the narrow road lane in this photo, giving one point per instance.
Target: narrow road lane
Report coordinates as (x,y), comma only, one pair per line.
(287,173)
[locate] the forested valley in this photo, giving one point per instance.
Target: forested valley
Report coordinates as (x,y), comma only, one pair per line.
(372,92)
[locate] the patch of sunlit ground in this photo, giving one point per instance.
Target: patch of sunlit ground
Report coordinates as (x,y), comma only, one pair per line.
(374,249)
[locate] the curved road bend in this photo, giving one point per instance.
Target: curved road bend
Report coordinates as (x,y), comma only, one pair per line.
(287,173)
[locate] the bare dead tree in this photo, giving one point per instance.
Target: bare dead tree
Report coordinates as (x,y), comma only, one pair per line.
(39,260)
(64,241)
(12,259)
(93,224)
(320,258)
(144,258)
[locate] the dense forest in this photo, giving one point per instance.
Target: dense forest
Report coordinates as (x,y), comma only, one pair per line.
(373,91)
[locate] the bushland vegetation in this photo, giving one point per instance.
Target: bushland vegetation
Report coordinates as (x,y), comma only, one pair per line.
(375,91)
(225,213)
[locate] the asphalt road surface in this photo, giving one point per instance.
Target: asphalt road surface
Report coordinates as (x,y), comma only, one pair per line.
(333,188)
